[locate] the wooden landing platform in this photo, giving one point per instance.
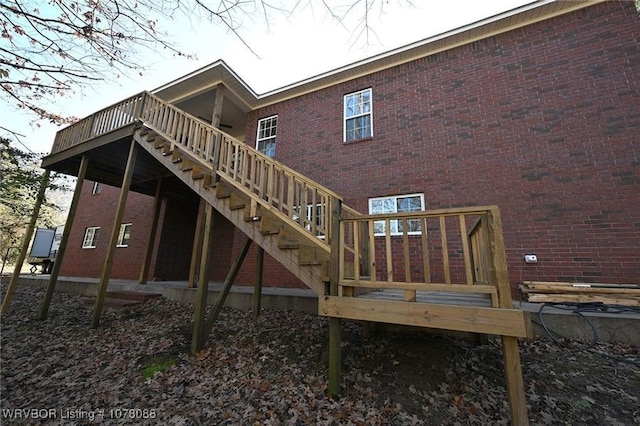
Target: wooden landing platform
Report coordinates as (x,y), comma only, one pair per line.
(442,310)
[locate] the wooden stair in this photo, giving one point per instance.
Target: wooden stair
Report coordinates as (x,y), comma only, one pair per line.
(274,235)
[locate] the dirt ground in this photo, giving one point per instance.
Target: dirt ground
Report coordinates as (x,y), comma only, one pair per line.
(136,369)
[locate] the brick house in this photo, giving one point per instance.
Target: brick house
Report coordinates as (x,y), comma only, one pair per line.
(536,111)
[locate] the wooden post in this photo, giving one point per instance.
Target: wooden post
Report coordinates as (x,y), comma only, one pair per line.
(335,327)
(197,339)
(217,106)
(499,259)
(510,351)
(148,251)
(53,279)
(215,122)
(11,289)
(515,382)
(224,292)
(257,291)
(108,262)
(198,239)
(139,106)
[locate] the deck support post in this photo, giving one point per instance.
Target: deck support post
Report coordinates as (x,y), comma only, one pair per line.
(113,240)
(257,290)
(510,350)
(197,340)
(148,251)
(198,239)
(335,326)
(53,279)
(44,183)
(335,355)
(218,304)
(515,383)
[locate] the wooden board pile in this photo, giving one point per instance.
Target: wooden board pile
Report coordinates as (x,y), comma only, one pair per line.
(559,292)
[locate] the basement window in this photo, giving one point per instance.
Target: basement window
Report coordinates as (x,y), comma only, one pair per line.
(124,235)
(90,237)
(266,139)
(358,116)
(397,204)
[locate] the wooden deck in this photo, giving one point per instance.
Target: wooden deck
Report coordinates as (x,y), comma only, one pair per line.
(442,269)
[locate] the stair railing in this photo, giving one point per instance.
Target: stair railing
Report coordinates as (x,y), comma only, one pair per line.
(303,203)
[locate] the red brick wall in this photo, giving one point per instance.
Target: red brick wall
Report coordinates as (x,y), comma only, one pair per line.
(542,121)
(174,239)
(99,210)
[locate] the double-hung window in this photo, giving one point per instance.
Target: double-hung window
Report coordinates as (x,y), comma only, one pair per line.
(397,204)
(266,139)
(124,235)
(90,237)
(358,116)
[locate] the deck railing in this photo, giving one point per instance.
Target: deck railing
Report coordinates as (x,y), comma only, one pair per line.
(439,250)
(102,122)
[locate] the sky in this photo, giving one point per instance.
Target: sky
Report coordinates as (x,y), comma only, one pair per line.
(288,50)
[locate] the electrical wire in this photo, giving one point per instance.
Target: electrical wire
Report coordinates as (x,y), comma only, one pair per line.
(579,309)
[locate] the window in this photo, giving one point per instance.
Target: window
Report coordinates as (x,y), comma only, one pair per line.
(90,237)
(358,116)
(97,188)
(397,204)
(124,235)
(266,139)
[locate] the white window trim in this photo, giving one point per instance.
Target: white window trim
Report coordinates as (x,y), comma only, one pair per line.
(121,235)
(97,188)
(262,120)
(344,114)
(90,238)
(394,223)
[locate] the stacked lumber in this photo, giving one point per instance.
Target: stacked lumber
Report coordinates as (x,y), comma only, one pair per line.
(559,292)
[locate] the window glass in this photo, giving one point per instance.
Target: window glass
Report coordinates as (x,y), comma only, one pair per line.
(124,235)
(358,116)
(90,237)
(97,188)
(266,139)
(397,204)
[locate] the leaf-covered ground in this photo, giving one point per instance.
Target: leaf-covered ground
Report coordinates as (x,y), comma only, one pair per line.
(136,369)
